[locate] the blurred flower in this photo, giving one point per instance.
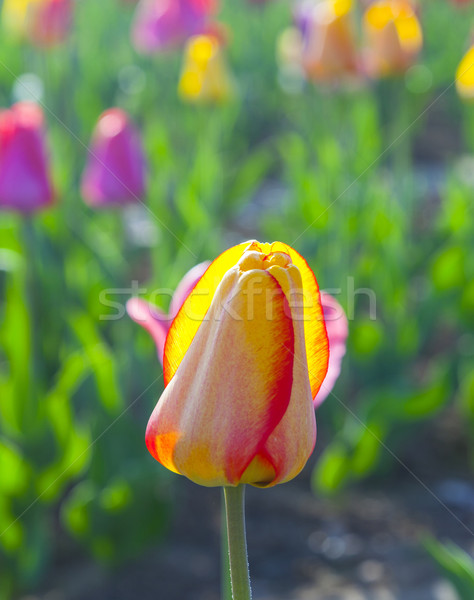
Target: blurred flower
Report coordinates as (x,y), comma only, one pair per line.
(49,22)
(162,24)
(43,22)
(323,42)
(115,171)
(25,184)
(14,15)
(465,76)
(394,37)
(243,360)
(154,320)
(205,76)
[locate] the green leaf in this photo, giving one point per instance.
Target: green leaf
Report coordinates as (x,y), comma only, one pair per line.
(102,362)
(332,470)
(456,565)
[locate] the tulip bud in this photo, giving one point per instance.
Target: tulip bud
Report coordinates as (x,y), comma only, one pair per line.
(329,47)
(394,37)
(465,76)
(205,76)
(115,171)
(162,24)
(25,184)
(244,358)
(154,320)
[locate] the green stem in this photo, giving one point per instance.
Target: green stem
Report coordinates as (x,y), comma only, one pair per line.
(226,587)
(239,566)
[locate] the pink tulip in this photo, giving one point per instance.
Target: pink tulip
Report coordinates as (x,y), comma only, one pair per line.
(25,184)
(115,171)
(49,22)
(163,24)
(337,329)
(157,323)
(154,320)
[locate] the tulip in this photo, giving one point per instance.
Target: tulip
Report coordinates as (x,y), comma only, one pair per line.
(25,184)
(465,76)
(115,171)
(329,47)
(394,37)
(162,24)
(244,358)
(205,76)
(154,320)
(43,22)
(337,329)
(157,323)
(14,15)
(49,22)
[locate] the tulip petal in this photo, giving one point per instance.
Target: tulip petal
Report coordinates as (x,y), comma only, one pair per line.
(338,329)
(186,286)
(194,309)
(292,441)
(233,385)
(152,319)
(316,338)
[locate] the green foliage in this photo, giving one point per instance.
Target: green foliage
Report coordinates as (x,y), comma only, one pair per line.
(325,170)
(455,564)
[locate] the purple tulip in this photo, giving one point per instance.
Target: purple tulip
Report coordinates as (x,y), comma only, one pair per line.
(337,328)
(25,184)
(115,172)
(162,24)
(154,320)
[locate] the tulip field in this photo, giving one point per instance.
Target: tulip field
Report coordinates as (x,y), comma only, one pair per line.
(151,351)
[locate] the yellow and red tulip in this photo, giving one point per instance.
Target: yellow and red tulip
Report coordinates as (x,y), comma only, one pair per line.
(465,76)
(153,319)
(394,37)
(244,358)
(44,23)
(205,75)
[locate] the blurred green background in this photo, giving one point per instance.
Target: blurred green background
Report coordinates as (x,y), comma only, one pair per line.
(374,185)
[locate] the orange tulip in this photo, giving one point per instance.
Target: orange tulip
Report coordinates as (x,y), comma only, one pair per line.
(465,76)
(243,360)
(329,49)
(394,37)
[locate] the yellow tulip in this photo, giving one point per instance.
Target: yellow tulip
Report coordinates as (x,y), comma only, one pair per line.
(205,76)
(394,37)
(15,15)
(465,76)
(244,358)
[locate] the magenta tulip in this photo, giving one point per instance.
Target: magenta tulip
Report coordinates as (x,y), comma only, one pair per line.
(115,172)
(163,24)
(154,320)
(25,183)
